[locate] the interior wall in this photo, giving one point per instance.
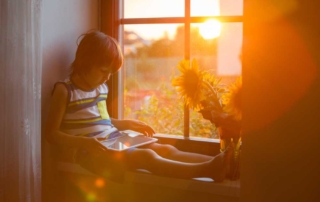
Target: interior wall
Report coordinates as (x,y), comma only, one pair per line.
(281,62)
(62,23)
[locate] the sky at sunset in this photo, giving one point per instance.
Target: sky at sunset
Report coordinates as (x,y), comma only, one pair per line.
(229,41)
(164,8)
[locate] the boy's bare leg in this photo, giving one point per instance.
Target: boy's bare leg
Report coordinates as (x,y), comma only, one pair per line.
(170,152)
(150,160)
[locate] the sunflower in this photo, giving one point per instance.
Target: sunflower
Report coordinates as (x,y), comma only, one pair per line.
(190,84)
(233,99)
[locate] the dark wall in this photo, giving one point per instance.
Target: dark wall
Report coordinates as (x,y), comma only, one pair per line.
(281,61)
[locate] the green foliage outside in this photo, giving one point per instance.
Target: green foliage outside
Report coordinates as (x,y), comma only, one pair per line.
(165,115)
(151,67)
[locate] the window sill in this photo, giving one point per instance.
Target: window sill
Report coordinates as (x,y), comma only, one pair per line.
(196,139)
(204,146)
(204,185)
(228,189)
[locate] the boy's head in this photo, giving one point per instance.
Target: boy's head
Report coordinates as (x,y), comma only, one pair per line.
(97,49)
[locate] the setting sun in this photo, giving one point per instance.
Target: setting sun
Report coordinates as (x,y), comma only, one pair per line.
(210,29)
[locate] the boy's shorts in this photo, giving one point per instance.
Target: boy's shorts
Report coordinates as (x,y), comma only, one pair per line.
(110,164)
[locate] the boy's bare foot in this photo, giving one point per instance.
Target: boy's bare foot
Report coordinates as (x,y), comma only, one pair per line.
(220,164)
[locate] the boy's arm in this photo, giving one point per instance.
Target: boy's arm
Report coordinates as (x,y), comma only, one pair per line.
(134,125)
(56,113)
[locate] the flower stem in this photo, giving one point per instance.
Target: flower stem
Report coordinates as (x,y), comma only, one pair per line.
(215,94)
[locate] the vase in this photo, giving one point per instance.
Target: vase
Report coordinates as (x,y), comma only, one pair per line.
(228,137)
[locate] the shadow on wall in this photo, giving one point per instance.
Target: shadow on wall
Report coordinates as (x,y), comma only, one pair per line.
(58,54)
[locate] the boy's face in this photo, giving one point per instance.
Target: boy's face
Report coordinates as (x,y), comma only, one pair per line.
(98,75)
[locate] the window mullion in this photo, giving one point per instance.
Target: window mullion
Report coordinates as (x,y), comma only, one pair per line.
(111,13)
(168,20)
(187,57)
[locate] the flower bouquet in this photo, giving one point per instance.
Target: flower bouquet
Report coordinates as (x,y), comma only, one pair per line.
(202,91)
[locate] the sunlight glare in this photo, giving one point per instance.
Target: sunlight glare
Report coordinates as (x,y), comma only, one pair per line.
(210,29)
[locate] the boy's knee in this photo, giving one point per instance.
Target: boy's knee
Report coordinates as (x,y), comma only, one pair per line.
(167,149)
(144,153)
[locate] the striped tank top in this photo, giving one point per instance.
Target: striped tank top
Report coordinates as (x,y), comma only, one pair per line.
(86,113)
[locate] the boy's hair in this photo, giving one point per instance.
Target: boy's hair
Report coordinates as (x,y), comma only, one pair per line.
(97,49)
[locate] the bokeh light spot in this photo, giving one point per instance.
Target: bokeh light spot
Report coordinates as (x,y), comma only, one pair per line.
(99,183)
(91,197)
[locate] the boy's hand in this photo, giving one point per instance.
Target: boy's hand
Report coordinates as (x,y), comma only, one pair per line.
(141,127)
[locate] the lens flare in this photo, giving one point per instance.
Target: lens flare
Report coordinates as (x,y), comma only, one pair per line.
(99,183)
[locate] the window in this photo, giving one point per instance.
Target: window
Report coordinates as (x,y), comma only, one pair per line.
(156,35)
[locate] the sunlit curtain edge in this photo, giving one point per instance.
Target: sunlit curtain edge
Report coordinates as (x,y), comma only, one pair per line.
(20,83)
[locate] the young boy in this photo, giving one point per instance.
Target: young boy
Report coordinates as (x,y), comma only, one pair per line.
(78,118)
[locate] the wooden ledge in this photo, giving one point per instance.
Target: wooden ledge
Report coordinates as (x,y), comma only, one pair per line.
(202,185)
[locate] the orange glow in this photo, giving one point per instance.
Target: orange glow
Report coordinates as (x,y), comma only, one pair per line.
(99,183)
(118,155)
(127,144)
(286,62)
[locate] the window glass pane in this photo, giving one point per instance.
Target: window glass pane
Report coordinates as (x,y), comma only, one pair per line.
(219,54)
(149,66)
(216,7)
(229,50)
(153,8)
